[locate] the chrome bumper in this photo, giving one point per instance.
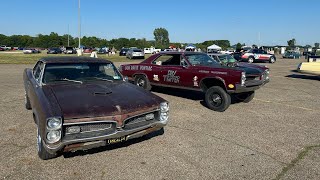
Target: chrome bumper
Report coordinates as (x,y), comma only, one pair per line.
(248,87)
(88,143)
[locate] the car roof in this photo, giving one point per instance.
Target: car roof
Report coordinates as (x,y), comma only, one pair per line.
(177,52)
(72,59)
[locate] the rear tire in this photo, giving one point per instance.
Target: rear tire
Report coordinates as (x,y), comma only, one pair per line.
(250,60)
(217,99)
(245,97)
(142,81)
(273,60)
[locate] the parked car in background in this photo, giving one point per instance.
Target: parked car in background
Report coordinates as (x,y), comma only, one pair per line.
(54,50)
(260,55)
(312,68)
(135,53)
(30,51)
(5,48)
(1,49)
(88,50)
(69,50)
(103,50)
(199,72)
(80,103)
(291,55)
(123,51)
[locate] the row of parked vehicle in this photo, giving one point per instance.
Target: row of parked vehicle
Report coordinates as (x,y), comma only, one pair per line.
(59,91)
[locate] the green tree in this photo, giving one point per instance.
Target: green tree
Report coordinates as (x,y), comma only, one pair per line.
(238,46)
(316,45)
(292,43)
(161,37)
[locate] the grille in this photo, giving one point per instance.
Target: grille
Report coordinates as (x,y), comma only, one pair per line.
(250,78)
(139,121)
(89,130)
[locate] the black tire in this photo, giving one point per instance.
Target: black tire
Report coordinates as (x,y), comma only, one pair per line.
(142,81)
(245,97)
(217,99)
(251,59)
(42,152)
(27,102)
(272,59)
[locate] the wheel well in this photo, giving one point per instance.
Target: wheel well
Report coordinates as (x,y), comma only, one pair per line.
(209,82)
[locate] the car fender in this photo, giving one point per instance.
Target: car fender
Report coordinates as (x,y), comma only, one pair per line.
(216,78)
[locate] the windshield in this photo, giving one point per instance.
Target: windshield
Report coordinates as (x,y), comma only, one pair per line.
(201,59)
(79,72)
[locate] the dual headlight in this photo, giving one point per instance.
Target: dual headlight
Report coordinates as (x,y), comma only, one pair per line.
(164,111)
(53,125)
(243,78)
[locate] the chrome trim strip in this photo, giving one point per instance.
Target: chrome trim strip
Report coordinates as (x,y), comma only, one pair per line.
(90,122)
(124,121)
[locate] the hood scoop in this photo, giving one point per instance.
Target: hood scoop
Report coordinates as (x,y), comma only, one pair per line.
(98,90)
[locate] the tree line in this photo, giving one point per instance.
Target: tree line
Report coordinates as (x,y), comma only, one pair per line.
(161,41)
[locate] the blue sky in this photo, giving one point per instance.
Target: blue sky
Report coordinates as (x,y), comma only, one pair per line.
(187,21)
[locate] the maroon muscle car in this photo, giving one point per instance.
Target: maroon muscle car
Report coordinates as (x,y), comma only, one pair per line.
(81,103)
(197,71)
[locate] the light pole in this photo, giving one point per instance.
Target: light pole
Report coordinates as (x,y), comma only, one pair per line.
(68,36)
(79,24)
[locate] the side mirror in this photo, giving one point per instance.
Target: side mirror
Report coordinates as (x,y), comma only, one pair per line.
(125,79)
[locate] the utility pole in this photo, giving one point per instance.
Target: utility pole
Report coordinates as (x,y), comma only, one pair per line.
(68,37)
(79,25)
(259,37)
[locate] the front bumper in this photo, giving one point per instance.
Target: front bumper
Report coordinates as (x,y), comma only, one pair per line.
(249,86)
(88,143)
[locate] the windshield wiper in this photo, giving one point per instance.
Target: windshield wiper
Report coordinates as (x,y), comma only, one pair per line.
(69,80)
(103,79)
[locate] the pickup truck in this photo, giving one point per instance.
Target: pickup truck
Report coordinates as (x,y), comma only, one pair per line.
(199,72)
(4,47)
(80,103)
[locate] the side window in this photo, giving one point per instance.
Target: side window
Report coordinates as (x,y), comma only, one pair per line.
(37,71)
(163,60)
(183,61)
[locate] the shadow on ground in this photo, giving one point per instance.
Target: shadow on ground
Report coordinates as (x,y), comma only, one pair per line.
(302,76)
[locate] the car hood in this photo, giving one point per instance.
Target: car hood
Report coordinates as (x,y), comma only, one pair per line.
(101,99)
(250,69)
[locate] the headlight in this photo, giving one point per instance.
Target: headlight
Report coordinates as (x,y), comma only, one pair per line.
(53,136)
(54,123)
(243,78)
(164,111)
(266,75)
(164,107)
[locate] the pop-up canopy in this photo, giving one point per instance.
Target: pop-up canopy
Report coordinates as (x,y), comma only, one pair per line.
(213,47)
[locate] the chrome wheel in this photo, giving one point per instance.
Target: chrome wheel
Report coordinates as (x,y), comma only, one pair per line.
(141,82)
(216,100)
(250,60)
(272,60)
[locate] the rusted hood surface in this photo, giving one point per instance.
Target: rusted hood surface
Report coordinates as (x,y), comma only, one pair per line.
(101,99)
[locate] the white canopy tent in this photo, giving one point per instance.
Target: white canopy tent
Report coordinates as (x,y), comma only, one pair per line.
(213,48)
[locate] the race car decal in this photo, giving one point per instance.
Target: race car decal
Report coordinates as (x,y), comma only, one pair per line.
(195,81)
(137,67)
(155,77)
(171,77)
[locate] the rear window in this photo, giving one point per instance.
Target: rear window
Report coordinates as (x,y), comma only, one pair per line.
(137,50)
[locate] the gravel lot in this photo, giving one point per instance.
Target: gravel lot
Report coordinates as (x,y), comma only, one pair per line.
(277,135)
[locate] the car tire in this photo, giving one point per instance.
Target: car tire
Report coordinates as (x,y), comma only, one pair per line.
(250,59)
(272,60)
(217,99)
(42,152)
(142,81)
(245,97)
(27,102)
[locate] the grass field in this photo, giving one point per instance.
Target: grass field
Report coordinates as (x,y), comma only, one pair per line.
(20,58)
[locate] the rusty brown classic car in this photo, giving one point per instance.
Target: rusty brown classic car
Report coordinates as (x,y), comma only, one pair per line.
(80,103)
